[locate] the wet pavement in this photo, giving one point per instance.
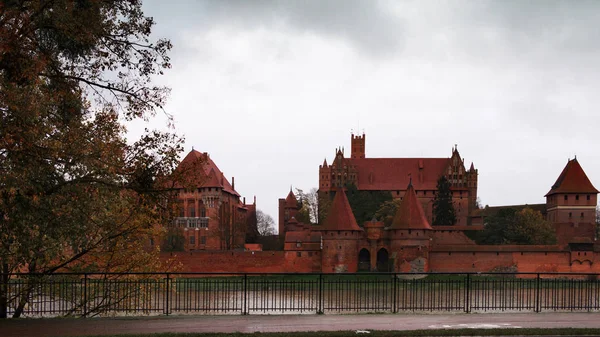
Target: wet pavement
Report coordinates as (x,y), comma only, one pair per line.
(286,323)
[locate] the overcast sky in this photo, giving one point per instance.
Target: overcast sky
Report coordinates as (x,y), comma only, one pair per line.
(271,88)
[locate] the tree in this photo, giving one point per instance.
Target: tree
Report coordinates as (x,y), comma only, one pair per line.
(443,210)
(75,194)
(309,209)
(387,211)
(265,223)
(365,204)
(521,227)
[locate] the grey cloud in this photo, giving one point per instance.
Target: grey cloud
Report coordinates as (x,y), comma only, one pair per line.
(367,25)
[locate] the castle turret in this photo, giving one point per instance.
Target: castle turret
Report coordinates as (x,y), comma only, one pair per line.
(410,235)
(358,146)
(288,209)
(571,204)
(341,235)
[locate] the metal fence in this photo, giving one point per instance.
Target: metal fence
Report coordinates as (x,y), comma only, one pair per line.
(68,294)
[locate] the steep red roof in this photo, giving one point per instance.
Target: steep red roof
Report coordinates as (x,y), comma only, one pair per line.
(340,217)
(410,214)
(395,173)
(203,172)
(572,179)
(291,201)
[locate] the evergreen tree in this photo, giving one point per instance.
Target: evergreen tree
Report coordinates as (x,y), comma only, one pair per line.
(365,204)
(443,210)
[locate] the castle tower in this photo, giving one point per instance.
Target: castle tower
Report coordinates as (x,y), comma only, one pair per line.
(571,205)
(341,235)
(358,146)
(472,177)
(409,235)
(288,209)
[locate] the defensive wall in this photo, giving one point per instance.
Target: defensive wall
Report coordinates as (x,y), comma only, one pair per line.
(448,258)
(247,261)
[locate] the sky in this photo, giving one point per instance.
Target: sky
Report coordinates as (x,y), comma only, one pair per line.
(271,88)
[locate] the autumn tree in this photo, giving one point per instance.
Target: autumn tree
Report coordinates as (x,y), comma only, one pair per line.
(75,194)
(521,227)
(443,210)
(265,223)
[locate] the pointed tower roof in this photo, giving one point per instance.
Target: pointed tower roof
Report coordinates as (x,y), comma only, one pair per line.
(212,180)
(340,217)
(198,169)
(472,168)
(410,214)
(572,179)
(325,162)
(290,200)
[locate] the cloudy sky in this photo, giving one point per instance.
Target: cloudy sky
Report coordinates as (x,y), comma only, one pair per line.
(271,88)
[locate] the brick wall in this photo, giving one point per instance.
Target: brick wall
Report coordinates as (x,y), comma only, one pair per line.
(247,262)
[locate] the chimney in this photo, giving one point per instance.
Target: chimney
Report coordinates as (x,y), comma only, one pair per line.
(244,200)
(254,200)
(233,183)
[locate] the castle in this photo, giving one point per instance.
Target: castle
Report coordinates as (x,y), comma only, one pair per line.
(210,213)
(410,243)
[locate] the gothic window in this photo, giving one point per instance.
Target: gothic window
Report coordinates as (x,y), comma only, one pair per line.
(203,240)
(192,212)
(192,240)
(203,222)
(203,212)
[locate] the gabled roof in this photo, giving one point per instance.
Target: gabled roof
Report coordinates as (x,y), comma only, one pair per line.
(203,172)
(291,201)
(388,174)
(572,179)
(340,217)
(410,214)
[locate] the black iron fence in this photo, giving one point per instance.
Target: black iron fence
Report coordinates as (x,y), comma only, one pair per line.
(112,294)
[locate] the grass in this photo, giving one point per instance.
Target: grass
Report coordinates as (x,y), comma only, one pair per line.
(447,332)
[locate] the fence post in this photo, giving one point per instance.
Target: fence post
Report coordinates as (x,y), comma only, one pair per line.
(468,294)
(537,293)
(245,308)
(167,290)
(395,292)
(85,295)
(320,294)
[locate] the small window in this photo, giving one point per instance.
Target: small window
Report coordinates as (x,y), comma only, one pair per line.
(203,212)
(577,197)
(566,197)
(581,215)
(203,240)
(192,240)
(588,197)
(570,215)
(192,212)
(299,254)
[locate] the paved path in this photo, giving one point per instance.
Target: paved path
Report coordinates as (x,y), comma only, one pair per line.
(273,323)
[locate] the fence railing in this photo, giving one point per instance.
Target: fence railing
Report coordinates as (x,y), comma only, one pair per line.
(112,294)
